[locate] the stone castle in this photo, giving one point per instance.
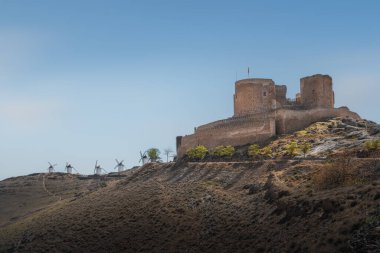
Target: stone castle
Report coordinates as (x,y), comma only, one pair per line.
(262,110)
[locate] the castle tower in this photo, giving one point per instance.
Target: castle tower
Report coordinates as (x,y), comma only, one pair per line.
(281,95)
(254,95)
(317,92)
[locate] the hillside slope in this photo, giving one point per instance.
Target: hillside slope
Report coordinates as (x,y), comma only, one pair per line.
(290,205)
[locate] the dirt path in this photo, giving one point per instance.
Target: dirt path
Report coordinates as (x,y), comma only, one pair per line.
(47,191)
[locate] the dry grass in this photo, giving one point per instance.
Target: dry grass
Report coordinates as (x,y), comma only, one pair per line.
(340,172)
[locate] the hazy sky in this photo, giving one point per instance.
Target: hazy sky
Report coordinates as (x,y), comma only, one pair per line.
(87,80)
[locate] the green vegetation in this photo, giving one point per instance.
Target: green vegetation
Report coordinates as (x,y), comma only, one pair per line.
(224,151)
(305,148)
(153,154)
(291,148)
(254,150)
(301,133)
(199,152)
(267,152)
(372,145)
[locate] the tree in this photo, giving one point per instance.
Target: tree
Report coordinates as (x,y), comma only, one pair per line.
(254,150)
(199,152)
(291,148)
(222,151)
(153,154)
(167,152)
(305,148)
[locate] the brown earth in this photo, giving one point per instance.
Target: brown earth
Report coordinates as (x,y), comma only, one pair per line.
(264,206)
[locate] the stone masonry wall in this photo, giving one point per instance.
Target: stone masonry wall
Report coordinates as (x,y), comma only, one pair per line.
(253,96)
(289,121)
(281,95)
(233,131)
(317,92)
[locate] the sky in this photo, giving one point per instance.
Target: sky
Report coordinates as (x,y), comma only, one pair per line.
(87,80)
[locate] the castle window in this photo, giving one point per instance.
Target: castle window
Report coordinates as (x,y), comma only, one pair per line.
(265,94)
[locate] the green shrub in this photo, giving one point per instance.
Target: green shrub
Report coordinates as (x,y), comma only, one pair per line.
(267,151)
(305,148)
(254,150)
(376,144)
(291,148)
(223,151)
(372,145)
(199,152)
(301,133)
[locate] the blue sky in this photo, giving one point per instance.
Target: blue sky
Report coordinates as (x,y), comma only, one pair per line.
(97,80)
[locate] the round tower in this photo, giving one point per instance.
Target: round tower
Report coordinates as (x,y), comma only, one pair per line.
(254,95)
(317,92)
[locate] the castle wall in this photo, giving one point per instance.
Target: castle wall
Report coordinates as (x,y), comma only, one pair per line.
(234,131)
(317,92)
(253,95)
(289,121)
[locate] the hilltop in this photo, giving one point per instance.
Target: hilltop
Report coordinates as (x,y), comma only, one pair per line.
(329,202)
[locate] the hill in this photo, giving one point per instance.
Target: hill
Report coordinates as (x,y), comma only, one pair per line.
(328,203)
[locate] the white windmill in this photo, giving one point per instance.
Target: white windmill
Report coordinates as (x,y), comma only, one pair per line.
(120,166)
(51,167)
(69,168)
(98,170)
(143,158)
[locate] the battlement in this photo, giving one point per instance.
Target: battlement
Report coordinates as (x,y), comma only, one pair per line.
(253,81)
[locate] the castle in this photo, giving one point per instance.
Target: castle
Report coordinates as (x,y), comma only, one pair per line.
(262,110)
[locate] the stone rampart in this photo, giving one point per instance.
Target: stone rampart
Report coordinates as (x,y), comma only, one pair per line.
(233,131)
(288,121)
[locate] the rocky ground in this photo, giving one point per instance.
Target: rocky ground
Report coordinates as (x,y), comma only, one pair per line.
(291,205)
(331,138)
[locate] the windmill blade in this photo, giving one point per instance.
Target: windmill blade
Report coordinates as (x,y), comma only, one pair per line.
(76,170)
(116,167)
(55,165)
(96,164)
(122,162)
(117,161)
(50,164)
